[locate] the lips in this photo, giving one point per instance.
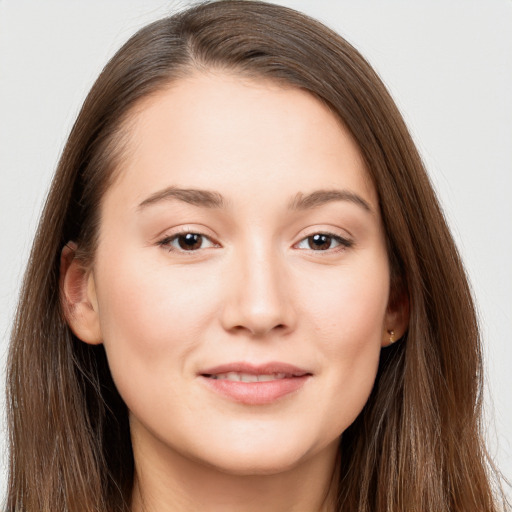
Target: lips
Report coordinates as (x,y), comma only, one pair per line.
(249,377)
(255,384)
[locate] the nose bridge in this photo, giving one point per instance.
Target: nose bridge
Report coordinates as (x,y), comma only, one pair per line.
(260,302)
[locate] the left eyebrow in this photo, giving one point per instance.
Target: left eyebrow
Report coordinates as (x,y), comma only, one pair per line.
(320,197)
(196,197)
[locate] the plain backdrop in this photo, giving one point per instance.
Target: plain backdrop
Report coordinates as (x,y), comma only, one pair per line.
(448,65)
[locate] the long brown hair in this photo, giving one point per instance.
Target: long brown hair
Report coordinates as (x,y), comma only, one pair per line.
(417,444)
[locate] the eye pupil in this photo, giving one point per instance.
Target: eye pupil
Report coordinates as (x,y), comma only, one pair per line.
(190,241)
(319,242)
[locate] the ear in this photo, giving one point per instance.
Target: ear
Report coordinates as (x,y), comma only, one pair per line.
(396,321)
(78,297)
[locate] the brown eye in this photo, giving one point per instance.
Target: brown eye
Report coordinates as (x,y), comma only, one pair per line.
(324,242)
(190,241)
(187,242)
(320,242)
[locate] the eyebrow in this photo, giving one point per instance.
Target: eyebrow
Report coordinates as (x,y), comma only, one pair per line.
(196,197)
(321,197)
(210,199)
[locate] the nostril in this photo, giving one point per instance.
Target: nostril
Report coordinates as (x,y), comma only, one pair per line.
(258,330)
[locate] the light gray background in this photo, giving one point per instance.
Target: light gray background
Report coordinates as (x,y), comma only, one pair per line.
(447,63)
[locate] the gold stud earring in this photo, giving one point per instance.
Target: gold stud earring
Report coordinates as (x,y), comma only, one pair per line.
(391,337)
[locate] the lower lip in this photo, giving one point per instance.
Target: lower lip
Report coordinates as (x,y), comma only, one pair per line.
(256,393)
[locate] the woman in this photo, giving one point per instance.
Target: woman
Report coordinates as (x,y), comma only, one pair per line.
(243,294)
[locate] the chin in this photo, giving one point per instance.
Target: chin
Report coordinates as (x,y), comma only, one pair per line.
(256,464)
(248,458)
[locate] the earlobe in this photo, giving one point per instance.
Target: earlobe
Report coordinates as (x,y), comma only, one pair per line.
(396,322)
(78,297)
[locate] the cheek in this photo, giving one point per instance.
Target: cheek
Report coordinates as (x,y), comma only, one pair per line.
(141,295)
(347,317)
(151,317)
(348,305)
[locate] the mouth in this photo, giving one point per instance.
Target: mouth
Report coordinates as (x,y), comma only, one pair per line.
(250,377)
(255,385)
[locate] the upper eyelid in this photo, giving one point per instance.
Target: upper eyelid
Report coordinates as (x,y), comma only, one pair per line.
(333,231)
(183,229)
(344,242)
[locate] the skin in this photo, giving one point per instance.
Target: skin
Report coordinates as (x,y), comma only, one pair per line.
(254,290)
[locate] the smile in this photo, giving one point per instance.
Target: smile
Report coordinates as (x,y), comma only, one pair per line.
(255,385)
(249,377)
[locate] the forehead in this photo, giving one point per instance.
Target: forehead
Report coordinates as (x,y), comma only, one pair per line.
(217,130)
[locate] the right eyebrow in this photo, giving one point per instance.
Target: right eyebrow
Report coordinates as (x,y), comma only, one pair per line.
(196,197)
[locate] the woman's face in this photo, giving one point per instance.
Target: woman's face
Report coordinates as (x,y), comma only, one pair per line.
(241,280)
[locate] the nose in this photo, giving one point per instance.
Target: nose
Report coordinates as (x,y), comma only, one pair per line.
(260,298)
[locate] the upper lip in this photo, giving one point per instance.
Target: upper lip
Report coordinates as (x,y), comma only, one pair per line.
(257,369)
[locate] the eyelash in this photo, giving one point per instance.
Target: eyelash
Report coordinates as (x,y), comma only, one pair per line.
(168,240)
(343,243)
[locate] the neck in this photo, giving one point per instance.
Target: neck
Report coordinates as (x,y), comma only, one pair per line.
(172,482)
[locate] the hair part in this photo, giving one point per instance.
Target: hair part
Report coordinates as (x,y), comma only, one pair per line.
(417,444)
